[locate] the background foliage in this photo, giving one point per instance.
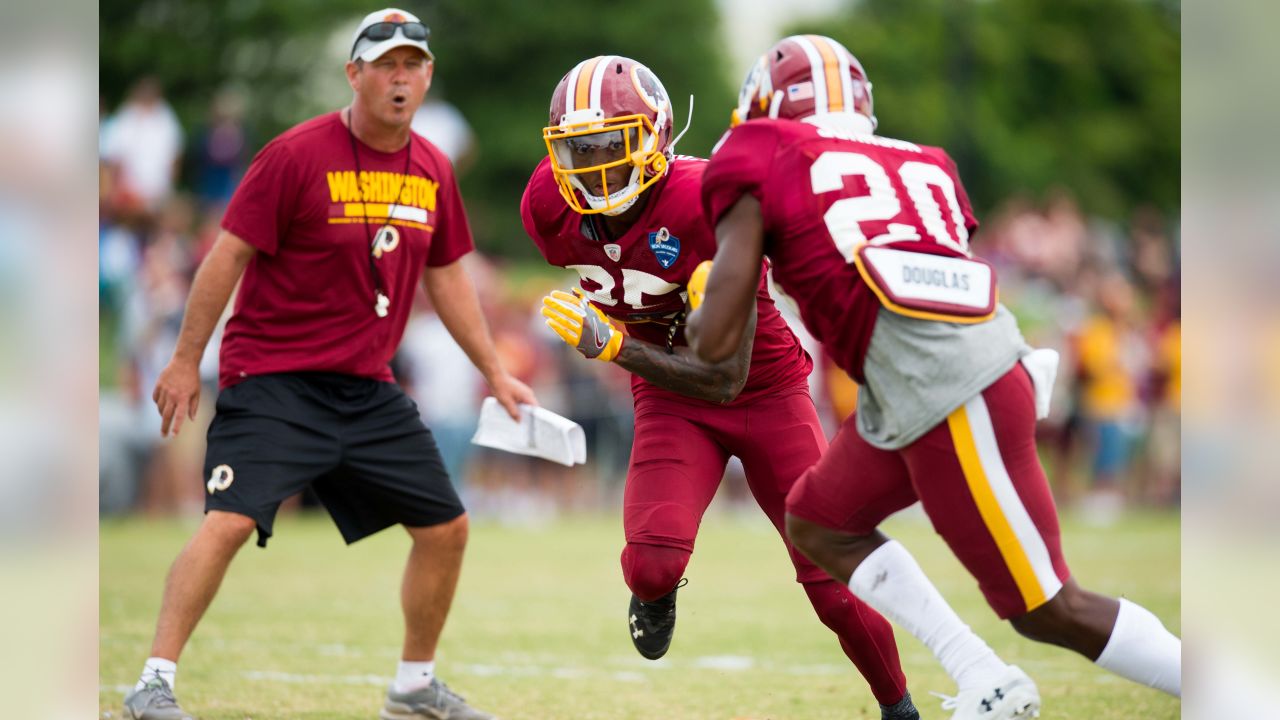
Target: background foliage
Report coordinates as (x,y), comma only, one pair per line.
(1030,94)
(1025,94)
(497,60)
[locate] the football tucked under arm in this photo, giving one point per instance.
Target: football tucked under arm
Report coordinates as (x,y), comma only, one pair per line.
(581,325)
(679,370)
(698,284)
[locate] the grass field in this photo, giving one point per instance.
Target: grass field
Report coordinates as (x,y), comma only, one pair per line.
(311,629)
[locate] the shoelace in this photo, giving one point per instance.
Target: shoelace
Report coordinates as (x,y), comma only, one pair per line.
(445,690)
(662,606)
(949,702)
(164,696)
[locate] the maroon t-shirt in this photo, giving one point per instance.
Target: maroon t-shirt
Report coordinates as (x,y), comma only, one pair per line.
(822,195)
(306,302)
(640,278)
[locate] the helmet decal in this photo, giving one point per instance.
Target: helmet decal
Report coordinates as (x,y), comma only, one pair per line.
(650,89)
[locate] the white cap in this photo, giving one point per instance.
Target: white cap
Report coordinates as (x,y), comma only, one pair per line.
(368,50)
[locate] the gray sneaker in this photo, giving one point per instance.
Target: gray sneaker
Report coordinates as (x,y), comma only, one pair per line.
(433,702)
(155,701)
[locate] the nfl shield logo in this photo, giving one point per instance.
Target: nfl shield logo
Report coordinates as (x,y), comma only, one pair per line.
(665,247)
(613,251)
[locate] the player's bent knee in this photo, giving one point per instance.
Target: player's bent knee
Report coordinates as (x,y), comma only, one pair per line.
(1054,622)
(809,538)
(229,528)
(652,571)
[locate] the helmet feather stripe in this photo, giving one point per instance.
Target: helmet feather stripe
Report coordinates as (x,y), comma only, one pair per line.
(816,72)
(831,62)
(582,84)
(597,79)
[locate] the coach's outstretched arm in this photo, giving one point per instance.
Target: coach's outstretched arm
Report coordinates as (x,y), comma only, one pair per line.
(716,328)
(455,300)
(177,392)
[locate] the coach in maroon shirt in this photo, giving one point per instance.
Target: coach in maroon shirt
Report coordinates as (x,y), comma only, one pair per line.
(335,223)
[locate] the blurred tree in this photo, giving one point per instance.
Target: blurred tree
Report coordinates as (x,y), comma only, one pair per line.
(270,50)
(500,60)
(1030,94)
(496,60)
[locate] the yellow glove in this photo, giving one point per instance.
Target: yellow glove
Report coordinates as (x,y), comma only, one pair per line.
(581,325)
(697,286)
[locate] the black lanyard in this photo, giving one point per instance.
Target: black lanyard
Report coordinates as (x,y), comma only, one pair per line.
(381,302)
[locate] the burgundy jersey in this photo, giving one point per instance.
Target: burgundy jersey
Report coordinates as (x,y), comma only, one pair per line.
(306,302)
(822,194)
(640,278)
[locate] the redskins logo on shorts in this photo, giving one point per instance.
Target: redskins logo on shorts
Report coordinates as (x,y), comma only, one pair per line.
(220,479)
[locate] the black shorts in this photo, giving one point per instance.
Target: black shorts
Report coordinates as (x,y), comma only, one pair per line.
(359,443)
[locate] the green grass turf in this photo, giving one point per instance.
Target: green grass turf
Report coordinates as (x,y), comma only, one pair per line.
(311,629)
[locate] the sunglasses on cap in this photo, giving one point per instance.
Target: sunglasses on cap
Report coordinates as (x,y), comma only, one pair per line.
(378,32)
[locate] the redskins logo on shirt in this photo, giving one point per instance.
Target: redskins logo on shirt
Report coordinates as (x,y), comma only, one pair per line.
(387,239)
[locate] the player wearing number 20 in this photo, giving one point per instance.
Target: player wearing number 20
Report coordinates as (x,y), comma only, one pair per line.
(871,237)
(614,203)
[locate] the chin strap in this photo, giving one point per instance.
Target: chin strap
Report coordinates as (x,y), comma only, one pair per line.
(687,123)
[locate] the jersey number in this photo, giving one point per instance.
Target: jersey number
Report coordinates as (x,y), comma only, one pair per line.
(635,285)
(845,216)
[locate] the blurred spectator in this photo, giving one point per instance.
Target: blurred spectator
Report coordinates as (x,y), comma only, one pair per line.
(1163,474)
(221,150)
(152,318)
(448,389)
(1151,251)
(1112,358)
(142,143)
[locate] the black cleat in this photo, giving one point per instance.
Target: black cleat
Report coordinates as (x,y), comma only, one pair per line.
(653,623)
(904,709)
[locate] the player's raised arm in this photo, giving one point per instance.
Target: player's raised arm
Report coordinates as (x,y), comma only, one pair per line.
(716,329)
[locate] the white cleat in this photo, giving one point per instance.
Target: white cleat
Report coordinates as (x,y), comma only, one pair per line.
(1012,696)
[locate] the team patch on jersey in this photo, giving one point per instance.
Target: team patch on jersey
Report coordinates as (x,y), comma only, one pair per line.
(665,247)
(613,251)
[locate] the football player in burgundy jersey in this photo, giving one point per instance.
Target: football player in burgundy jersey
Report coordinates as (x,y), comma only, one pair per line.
(615,204)
(871,237)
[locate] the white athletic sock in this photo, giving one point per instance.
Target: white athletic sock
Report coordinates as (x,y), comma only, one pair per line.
(166,669)
(891,581)
(412,675)
(1142,650)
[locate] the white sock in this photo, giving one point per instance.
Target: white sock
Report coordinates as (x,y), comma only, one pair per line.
(412,675)
(1142,650)
(166,669)
(891,581)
